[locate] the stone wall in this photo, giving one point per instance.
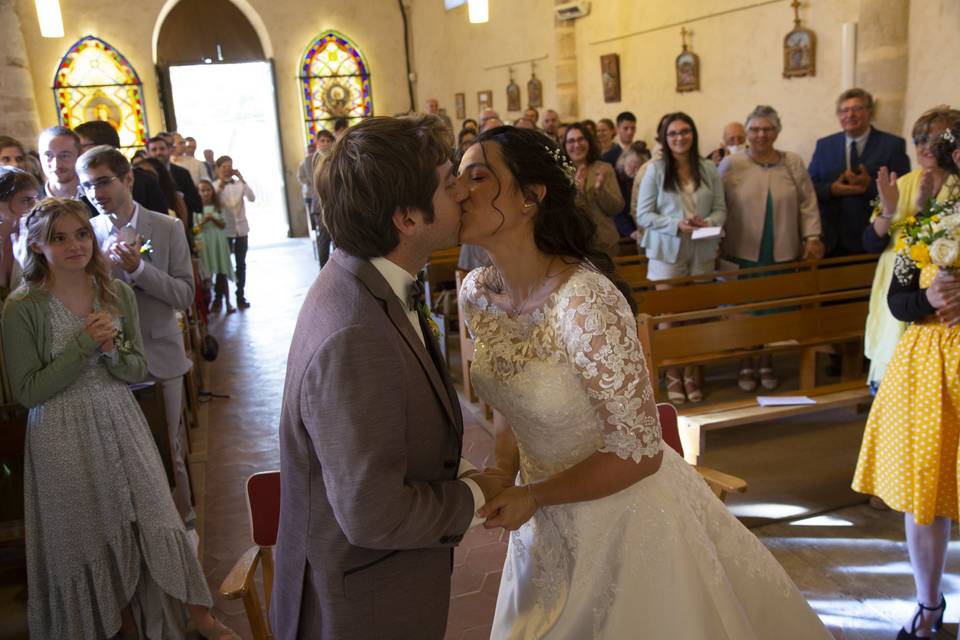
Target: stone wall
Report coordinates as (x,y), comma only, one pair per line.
(18,105)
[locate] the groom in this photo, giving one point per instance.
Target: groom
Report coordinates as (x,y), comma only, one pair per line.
(374,494)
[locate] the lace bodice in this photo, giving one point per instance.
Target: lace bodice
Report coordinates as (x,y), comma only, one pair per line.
(569,377)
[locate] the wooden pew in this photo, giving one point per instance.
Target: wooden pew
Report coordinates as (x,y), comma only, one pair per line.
(820,305)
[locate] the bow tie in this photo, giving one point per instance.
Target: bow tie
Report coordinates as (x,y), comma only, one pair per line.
(414,295)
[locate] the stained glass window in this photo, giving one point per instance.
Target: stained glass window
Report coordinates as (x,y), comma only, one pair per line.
(335,83)
(95,82)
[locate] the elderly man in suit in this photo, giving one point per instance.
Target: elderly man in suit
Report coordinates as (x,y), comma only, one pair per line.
(148,250)
(375,494)
(844,171)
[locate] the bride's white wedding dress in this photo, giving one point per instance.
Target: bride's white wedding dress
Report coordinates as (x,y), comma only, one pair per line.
(661,559)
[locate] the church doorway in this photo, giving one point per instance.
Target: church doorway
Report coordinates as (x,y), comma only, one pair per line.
(217,82)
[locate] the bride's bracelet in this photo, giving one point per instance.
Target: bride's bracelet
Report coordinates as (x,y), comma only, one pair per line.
(532,496)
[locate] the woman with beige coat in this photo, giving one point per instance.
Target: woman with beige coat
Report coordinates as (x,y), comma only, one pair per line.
(772,213)
(598,191)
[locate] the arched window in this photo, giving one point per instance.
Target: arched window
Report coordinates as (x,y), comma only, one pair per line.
(335,83)
(95,82)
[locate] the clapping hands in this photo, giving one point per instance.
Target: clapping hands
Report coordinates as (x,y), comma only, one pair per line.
(851,183)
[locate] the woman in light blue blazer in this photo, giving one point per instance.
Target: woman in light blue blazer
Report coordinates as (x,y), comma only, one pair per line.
(680,193)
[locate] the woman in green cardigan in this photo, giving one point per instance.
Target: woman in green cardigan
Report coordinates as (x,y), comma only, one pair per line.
(107,553)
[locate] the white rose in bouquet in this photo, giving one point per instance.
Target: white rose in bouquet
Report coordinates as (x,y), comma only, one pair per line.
(950,222)
(944,252)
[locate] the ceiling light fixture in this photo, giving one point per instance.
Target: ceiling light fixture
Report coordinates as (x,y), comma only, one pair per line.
(478,10)
(50,18)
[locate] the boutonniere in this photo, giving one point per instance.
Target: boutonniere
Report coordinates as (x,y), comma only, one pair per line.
(146,247)
(434,327)
(122,343)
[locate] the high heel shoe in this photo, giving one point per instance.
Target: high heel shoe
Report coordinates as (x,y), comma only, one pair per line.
(912,634)
(675,392)
(691,384)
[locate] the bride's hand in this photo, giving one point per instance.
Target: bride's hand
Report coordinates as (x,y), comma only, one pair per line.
(510,509)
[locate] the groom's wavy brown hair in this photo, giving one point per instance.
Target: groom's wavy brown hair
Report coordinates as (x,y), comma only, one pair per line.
(378,166)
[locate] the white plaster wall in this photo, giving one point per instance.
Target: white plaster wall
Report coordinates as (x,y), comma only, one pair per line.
(451,55)
(741,64)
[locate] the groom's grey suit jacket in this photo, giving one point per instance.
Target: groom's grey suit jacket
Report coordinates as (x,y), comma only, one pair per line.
(164,287)
(370,443)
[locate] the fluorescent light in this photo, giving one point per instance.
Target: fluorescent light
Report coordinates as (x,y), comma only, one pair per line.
(50,18)
(479,11)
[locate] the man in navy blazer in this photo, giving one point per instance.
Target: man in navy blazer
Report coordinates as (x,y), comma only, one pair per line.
(844,171)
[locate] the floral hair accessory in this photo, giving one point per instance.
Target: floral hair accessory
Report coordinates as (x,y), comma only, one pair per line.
(562,161)
(948,136)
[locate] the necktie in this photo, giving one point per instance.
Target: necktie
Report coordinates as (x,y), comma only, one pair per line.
(414,295)
(854,157)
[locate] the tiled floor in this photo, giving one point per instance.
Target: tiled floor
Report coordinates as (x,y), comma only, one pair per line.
(849,562)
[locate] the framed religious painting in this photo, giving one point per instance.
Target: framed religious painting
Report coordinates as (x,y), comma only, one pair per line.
(513,96)
(800,53)
(610,77)
(484,100)
(688,72)
(460,103)
(534,91)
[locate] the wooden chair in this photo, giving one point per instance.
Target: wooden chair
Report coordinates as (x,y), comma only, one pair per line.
(466,356)
(263,507)
(720,483)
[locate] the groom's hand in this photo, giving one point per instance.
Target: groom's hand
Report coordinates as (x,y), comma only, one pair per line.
(491,483)
(510,509)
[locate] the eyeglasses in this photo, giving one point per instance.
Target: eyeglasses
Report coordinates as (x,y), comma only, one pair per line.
(98,183)
(848,110)
(577,140)
(681,133)
(766,130)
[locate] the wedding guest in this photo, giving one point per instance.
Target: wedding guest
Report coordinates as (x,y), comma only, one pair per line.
(531,114)
(606,130)
(19,191)
(156,169)
(162,277)
(60,148)
(628,165)
(488,116)
(524,123)
(304,176)
(146,188)
(464,139)
(901,198)
(215,250)
(470,123)
(733,140)
(591,127)
(112,557)
(180,157)
(433,108)
(772,214)
(844,169)
(598,193)
(210,163)
(626,129)
(12,153)
(160,147)
(551,125)
(909,452)
(679,194)
(340,126)
(609,528)
(190,149)
(232,190)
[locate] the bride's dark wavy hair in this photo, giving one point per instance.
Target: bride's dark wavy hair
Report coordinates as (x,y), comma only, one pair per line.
(560,227)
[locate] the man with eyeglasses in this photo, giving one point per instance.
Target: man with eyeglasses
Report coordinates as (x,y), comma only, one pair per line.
(59,148)
(148,250)
(844,171)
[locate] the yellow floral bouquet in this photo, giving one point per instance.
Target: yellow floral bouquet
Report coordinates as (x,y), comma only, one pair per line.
(930,237)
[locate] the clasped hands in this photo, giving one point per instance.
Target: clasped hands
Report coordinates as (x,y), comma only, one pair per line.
(99,326)
(851,183)
(507,506)
(688,225)
(944,295)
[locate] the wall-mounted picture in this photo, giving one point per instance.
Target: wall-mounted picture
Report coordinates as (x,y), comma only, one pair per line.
(484,100)
(460,102)
(534,91)
(688,72)
(800,53)
(610,77)
(513,96)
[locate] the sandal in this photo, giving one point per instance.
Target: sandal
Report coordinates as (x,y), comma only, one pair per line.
(675,392)
(767,378)
(746,380)
(691,384)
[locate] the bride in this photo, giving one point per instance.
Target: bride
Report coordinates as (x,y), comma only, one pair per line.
(614,535)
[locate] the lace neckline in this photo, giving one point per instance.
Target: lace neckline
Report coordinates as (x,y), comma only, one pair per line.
(536,313)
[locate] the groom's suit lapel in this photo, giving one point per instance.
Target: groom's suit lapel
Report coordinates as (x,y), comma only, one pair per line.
(378,287)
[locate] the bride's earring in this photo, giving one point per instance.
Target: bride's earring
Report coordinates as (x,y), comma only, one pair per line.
(527,205)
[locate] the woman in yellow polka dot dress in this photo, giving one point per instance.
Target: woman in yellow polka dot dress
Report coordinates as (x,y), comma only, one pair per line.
(909,452)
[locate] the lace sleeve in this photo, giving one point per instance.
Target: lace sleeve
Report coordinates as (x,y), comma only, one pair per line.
(601,340)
